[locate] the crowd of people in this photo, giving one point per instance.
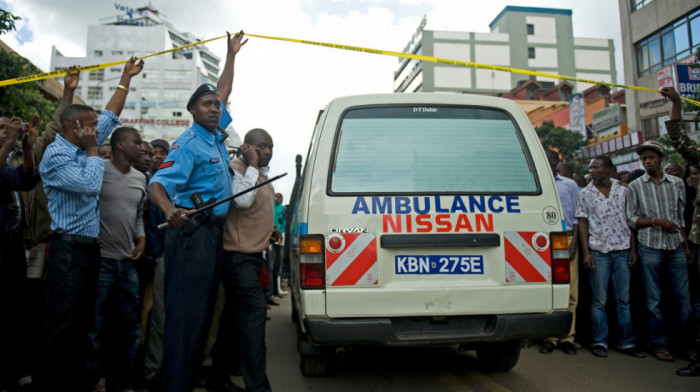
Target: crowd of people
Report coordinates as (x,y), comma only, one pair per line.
(85,295)
(649,217)
(82,203)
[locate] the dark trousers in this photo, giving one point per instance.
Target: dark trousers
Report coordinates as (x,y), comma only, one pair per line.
(276,253)
(13,309)
(193,265)
(70,300)
(116,330)
(246,308)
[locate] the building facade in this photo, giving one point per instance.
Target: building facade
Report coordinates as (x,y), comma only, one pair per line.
(157,102)
(537,39)
(657,35)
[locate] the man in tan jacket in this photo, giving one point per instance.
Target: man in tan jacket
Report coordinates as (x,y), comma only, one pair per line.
(247,232)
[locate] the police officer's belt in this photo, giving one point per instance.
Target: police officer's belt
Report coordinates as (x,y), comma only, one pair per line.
(215,220)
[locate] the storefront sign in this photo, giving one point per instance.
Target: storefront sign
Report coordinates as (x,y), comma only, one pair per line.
(688,81)
(655,108)
(608,117)
(665,77)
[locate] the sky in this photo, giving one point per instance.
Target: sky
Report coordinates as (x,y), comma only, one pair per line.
(281,86)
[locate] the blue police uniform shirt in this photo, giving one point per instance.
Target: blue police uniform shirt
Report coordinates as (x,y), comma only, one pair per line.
(198,162)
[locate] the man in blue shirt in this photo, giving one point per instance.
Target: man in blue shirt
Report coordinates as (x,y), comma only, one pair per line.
(198,162)
(72,174)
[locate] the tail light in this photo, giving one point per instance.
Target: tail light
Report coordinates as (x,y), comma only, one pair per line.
(560,258)
(312,272)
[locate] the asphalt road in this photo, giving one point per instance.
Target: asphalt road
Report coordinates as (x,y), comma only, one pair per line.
(449,370)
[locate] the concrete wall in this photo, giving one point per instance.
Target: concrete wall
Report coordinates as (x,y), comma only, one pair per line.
(636,26)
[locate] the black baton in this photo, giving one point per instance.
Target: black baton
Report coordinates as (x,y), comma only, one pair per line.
(224,200)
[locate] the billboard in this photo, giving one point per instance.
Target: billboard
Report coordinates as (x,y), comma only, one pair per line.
(665,77)
(577,114)
(688,81)
(608,117)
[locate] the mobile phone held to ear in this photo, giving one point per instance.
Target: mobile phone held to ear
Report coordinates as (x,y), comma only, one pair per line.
(78,126)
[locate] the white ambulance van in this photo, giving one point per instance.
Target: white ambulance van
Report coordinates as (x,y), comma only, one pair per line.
(426,219)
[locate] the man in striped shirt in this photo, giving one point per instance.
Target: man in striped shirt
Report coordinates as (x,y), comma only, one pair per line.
(72,174)
(655,205)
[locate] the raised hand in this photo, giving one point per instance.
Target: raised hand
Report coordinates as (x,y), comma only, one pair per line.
(29,137)
(72,77)
(132,68)
(236,43)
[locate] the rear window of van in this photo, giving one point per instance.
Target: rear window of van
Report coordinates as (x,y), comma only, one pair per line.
(430,149)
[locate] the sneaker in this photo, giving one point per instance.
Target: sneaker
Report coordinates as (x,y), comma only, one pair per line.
(599,351)
(633,352)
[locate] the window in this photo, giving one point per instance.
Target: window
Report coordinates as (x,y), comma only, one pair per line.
(564,93)
(98,53)
(673,43)
(530,29)
(98,74)
(654,127)
(176,95)
(151,76)
(695,28)
(149,94)
(531,93)
(117,53)
(177,76)
(398,149)
(94,92)
(177,114)
(531,53)
(637,4)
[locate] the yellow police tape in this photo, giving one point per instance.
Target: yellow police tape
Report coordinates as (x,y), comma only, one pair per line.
(87,68)
(357,49)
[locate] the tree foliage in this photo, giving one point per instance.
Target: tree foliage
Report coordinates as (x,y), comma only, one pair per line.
(25,99)
(560,139)
(7,21)
(670,154)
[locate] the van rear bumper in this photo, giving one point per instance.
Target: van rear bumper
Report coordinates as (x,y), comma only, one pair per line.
(411,331)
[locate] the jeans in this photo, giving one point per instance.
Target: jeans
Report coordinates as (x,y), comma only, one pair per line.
(116,329)
(606,265)
(675,263)
(71,286)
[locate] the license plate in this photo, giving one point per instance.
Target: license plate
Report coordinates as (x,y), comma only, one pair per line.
(429,265)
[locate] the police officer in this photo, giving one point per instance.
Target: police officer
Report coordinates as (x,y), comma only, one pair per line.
(197,162)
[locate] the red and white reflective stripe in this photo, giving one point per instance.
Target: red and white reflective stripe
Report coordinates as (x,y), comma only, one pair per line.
(355,264)
(528,258)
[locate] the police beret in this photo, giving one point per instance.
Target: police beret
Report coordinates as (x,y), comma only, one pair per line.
(201,91)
